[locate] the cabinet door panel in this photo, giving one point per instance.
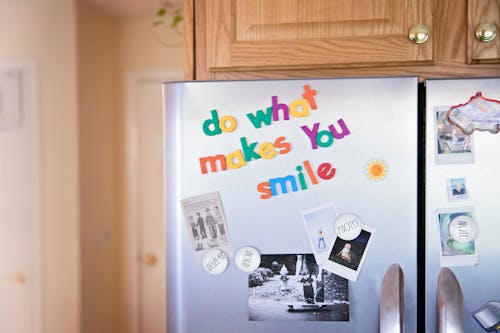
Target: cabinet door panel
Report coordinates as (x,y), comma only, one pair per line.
(483,11)
(278,34)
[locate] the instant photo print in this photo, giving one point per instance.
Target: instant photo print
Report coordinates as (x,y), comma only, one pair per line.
(346,257)
(453,250)
(452,145)
(320,223)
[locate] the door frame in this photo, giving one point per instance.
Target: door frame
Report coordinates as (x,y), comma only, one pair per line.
(131,233)
(31,103)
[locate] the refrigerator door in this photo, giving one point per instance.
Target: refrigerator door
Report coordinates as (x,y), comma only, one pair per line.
(349,146)
(462,224)
(392,301)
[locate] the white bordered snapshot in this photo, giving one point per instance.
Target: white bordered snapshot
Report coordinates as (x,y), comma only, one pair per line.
(346,257)
(320,223)
(457,189)
(457,232)
(452,145)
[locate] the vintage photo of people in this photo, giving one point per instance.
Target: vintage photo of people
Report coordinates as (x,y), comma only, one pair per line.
(206,223)
(294,287)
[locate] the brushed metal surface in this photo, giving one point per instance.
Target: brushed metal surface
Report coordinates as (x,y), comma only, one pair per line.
(382,115)
(392,301)
(450,305)
(479,283)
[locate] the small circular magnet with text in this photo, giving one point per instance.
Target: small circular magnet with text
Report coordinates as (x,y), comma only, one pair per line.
(348,226)
(215,261)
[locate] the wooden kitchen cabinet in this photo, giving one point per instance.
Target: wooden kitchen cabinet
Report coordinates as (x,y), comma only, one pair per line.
(261,34)
(246,39)
(483,20)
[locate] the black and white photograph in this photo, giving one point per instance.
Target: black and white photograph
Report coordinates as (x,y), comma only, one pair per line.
(347,256)
(457,189)
(206,224)
(452,145)
(294,287)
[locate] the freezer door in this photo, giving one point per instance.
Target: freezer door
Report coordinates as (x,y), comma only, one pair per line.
(462,224)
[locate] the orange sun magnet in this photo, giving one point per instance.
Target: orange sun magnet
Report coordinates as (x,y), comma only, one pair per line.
(376,170)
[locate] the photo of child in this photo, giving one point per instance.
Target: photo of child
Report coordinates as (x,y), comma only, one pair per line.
(346,257)
(295,287)
(345,253)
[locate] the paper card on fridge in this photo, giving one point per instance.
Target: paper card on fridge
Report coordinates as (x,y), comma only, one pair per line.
(320,223)
(206,224)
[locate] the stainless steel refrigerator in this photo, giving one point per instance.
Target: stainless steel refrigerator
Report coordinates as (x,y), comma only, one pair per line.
(462,222)
(317,176)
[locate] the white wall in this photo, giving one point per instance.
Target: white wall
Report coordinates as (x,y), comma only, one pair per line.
(44,31)
(110,48)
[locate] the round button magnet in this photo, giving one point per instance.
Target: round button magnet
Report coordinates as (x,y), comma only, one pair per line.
(463,229)
(348,226)
(247,259)
(215,261)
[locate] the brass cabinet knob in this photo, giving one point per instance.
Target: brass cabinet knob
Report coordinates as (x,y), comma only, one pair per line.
(419,34)
(150,259)
(486,32)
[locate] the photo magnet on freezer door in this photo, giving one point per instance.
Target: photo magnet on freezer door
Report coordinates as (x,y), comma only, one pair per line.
(457,232)
(452,145)
(457,189)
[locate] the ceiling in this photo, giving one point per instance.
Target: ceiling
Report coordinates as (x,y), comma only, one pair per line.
(130,7)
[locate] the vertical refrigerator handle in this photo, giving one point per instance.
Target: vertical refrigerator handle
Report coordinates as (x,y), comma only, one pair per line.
(392,301)
(450,304)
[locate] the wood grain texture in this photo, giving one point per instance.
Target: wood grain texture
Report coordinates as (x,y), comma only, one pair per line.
(260,34)
(483,11)
(449,36)
(305,19)
(189,41)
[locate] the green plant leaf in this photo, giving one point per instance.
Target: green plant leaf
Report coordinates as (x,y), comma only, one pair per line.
(161,12)
(176,20)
